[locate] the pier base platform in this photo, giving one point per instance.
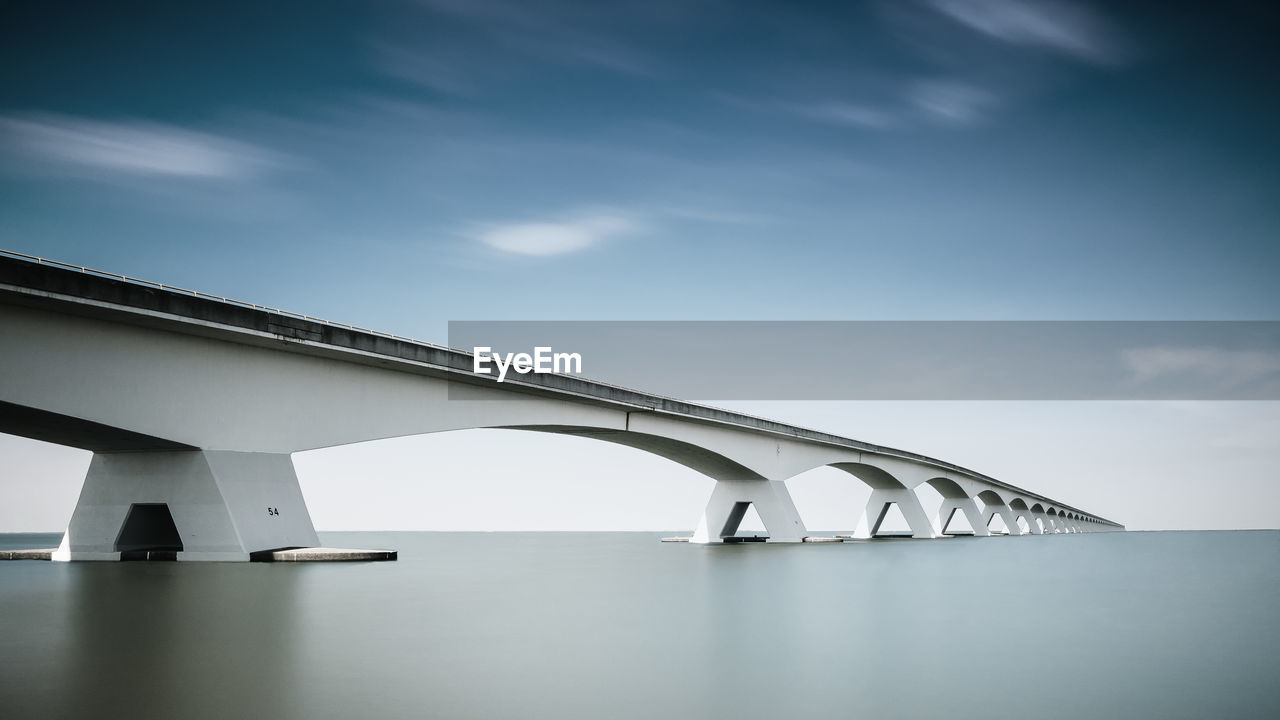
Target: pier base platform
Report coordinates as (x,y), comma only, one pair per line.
(32,554)
(323,554)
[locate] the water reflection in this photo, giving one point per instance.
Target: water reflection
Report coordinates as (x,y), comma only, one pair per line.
(165,640)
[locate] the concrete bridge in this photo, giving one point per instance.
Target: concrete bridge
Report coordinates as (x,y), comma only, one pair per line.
(193,405)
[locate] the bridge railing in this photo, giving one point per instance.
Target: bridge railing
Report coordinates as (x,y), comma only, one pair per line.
(310,318)
(279,311)
(219,298)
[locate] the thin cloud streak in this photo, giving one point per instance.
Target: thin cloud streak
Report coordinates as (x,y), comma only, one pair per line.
(711,216)
(847,115)
(83,146)
(558,237)
(950,102)
(423,69)
(512,36)
(1067,28)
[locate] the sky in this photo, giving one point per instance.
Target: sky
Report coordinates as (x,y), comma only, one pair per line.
(402,164)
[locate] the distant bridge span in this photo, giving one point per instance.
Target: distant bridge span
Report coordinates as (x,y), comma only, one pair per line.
(195,403)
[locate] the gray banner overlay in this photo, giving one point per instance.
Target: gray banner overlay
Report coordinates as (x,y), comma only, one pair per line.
(910,360)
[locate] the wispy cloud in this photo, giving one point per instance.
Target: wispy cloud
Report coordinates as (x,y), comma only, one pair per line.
(950,102)
(846,114)
(712,216)
(837,112)
(423,68)
(945,101)
(580,33)
(556,237)
(495,40)
(1067,28)
(85,146)
(1228,368)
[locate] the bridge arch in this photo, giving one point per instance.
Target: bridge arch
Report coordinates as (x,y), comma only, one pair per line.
(696,457)
(1022,511)
(875,477)
(737,487)
(1040,518)
(994,505)
(947,488)
(990,497)
(956,500)
(887,490)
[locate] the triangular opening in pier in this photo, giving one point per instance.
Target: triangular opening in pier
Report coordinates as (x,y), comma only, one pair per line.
(751,523)
(891,523)
(1023,525)
(997,524)
(957,524)
(743,521)
(148,526)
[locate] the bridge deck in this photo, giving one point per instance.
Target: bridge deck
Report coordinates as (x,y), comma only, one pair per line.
(33,281)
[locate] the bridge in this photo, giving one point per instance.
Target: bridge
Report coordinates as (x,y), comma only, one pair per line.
(193,405)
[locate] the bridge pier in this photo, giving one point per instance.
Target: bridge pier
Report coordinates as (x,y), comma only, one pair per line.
(950,506)
(201,504)
(730,500)
(1006,515)
(1020,510)
(1045,525)
(878,507)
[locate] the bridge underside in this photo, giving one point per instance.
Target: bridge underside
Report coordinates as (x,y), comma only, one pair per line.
(74,432)
(227,505)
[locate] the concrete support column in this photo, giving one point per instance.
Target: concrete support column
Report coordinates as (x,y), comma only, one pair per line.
(970,509)
(223,505)
(1036,527)
(1032,528)
(1006,514)
(878,507)
(730,500)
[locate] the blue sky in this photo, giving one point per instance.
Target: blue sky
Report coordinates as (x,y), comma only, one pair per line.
(401,164)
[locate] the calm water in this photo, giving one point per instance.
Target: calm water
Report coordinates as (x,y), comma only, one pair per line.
(601,625)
